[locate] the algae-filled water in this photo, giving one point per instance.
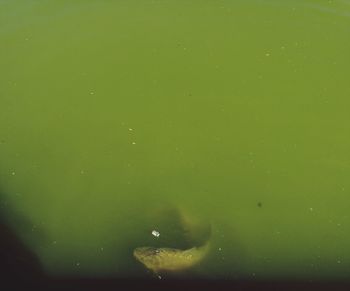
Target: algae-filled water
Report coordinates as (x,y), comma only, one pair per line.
(237,111)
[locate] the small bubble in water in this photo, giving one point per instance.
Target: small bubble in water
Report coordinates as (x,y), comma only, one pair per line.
(155,233)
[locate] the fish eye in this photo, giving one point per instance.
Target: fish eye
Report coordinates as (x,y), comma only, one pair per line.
(152,251)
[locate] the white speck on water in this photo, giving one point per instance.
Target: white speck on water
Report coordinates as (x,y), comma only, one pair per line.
(77,264)
(133,143)
(13,173)
(267,54)
(155,233)
(311,209)
(102,249)
(220,249)
(92,93)
(130,129)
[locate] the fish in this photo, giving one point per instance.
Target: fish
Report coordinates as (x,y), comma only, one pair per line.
(165,260)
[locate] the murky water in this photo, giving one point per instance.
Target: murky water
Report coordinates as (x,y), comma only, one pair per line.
(237,111)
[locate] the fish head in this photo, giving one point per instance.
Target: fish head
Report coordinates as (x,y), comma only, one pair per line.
(143,253)
(148,256)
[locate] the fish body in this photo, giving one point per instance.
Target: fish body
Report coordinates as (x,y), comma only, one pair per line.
(161,260)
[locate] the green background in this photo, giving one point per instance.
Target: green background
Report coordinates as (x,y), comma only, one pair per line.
(237,111)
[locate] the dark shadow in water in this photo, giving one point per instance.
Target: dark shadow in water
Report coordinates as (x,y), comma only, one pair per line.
(18,264)
(184,285)
(16,260)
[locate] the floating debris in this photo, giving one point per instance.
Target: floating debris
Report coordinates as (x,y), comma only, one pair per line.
(155,233)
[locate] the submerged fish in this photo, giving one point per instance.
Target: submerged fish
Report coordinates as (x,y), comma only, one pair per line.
(170,260)
(163,260)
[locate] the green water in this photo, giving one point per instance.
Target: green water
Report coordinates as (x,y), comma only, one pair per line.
(236,110)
